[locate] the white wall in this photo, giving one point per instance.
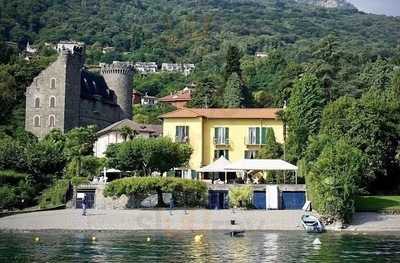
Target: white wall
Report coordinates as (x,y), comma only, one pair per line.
(102,142)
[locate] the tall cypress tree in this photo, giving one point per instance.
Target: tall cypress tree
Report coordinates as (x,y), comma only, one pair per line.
(304,113)
(272,149)
(233,97)
(232,62)
(233,67)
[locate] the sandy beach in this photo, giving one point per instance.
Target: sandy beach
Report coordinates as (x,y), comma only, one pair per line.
(200,219)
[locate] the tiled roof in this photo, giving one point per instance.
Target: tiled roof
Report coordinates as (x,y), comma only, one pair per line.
(93,84)
(138,127)
(238,113)
(183,95)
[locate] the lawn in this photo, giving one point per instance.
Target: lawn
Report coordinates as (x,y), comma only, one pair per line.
(389,204)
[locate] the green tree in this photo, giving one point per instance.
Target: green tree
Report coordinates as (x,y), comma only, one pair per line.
(303,114)
(333,180)
(240,196)
(377,74)
(148,156)
(271,149)
(90,167)
(232,94)
(46,158)
(12,155)
(205,95)
(8,94)
(127,132)
(232,62)
(79,142)
(370,124)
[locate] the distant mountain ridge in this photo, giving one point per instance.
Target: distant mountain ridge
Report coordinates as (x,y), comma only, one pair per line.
(341,4)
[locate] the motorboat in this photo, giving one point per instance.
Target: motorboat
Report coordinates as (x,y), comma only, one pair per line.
(236,233)
(312,224)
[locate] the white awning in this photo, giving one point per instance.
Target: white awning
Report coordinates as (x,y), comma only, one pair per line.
(261,165)
(217,166)
(112,170)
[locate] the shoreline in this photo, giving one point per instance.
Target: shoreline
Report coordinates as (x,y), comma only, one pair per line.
(185,220)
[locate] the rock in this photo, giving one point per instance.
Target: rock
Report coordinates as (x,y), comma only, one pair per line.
(341,4)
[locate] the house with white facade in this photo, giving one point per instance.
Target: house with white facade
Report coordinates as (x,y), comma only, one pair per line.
(112,134)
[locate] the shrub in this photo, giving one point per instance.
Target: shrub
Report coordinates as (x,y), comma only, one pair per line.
(78,180)
(8,198)
(12,155)
(26,193)
(55,195)
(240,196)
(186,192)
(11,177)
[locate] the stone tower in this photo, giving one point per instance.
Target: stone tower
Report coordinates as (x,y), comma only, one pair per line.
(53,96)
(118,77)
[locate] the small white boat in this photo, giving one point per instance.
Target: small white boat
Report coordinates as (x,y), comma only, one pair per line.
(312,224)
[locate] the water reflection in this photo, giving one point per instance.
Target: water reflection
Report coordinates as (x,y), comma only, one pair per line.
(256,246)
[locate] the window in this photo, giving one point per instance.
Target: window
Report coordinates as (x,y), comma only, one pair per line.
(254,136)
(37,103)
(53,83)
(257,135)
(250,154)
(52,102)
(221,135)
(182,133)
(36,121)
(219,153)
(52,121)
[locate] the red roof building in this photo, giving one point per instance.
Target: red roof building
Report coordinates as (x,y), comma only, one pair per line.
(179,99)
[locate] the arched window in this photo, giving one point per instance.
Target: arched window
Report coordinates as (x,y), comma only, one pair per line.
(52,102)
(53,83)
(52,121)
(37,103)
(36,121)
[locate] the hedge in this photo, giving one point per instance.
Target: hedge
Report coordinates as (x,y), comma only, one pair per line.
(55,195)
(78,180)
(11,177)
(185,192)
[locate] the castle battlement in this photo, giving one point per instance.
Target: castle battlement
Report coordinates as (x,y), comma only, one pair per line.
(117,68)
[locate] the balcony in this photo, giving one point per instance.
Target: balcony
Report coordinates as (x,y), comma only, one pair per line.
(221,141)
(181,139)
(251,141)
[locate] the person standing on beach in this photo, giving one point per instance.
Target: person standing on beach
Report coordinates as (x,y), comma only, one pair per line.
(84,203)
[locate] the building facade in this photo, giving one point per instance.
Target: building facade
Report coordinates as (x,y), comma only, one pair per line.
(233,133)
(178,99)
(112,134)
(65,95)
(146,67)
(186,69)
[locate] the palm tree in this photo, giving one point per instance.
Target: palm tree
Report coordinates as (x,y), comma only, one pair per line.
(127,132)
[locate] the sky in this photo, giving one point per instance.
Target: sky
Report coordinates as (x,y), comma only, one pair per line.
(386,7)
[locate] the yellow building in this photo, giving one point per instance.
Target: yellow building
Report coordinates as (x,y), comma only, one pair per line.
(233,133)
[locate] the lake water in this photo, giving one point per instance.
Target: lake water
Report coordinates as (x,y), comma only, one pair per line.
(216,246)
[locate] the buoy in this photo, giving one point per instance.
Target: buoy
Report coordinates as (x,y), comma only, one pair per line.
(316,242)
(93,238)
(198,238)
(37,239)
(148,239)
